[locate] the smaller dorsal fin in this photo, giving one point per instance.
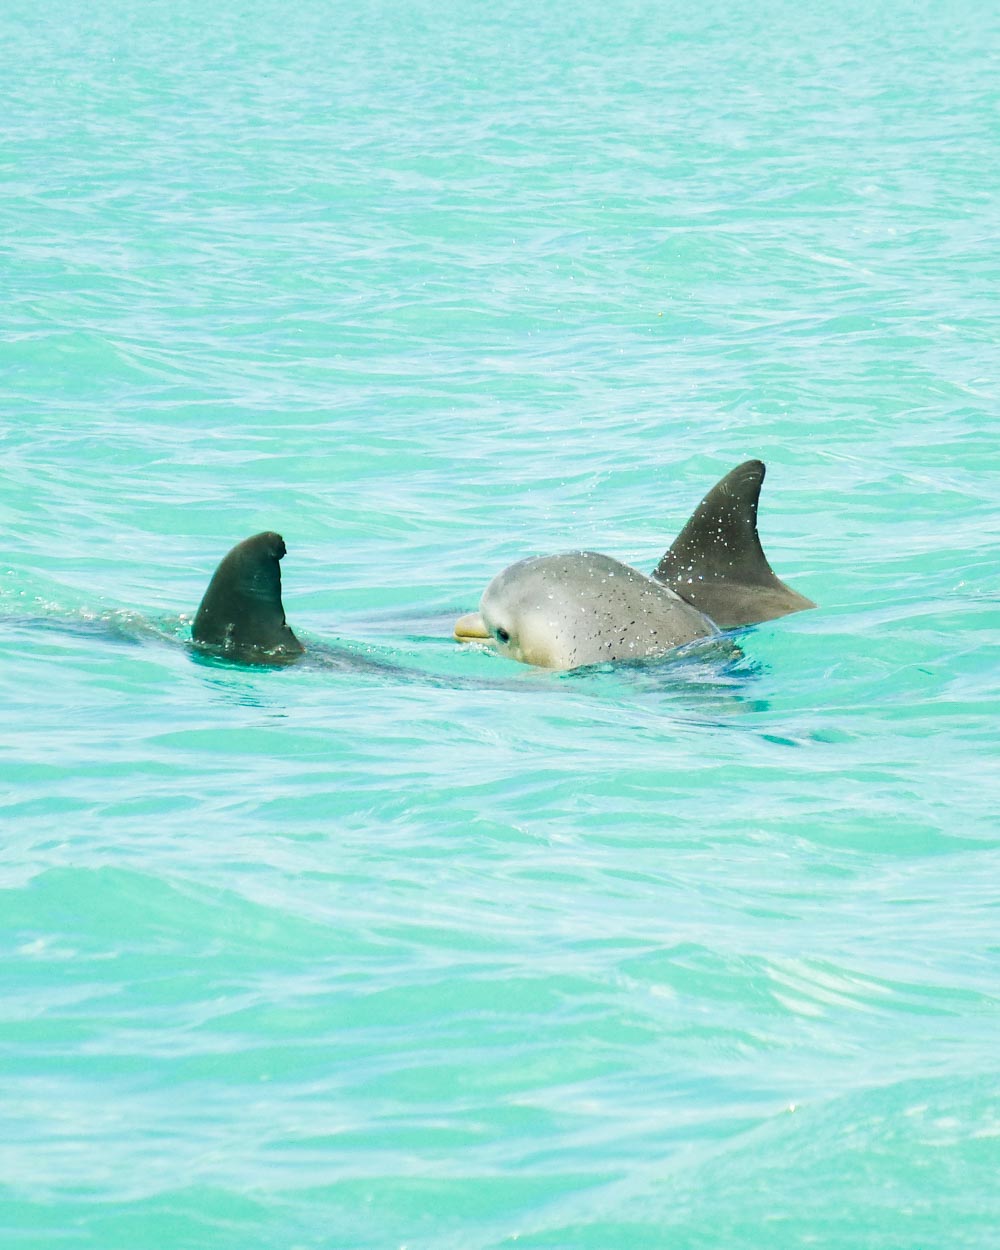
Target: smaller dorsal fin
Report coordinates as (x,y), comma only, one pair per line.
(241,612)
(717,563)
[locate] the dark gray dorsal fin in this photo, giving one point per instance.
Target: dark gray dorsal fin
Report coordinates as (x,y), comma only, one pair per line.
(242,612)
(717,563)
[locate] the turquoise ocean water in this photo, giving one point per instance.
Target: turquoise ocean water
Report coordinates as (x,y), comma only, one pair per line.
(407,945)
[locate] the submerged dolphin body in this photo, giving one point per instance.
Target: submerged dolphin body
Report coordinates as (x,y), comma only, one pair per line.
(582,608)
(242,618)
(241,615)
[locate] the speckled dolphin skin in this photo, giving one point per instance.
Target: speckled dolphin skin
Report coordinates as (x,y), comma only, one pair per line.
(580,608)
(567,611)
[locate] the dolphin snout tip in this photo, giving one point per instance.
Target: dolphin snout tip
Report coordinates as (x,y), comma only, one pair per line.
(471,628)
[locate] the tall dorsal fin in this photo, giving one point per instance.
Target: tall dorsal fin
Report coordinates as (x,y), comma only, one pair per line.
(717,563)
(242,613)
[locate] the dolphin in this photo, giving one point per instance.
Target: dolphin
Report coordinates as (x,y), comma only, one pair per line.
(567,611)
(241,615)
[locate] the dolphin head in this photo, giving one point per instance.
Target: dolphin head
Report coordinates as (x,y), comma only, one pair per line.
(524,610)
(565,611)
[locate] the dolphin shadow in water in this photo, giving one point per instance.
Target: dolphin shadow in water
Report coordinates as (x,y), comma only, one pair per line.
(582,608)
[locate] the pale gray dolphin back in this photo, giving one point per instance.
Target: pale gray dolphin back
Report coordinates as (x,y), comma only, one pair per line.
(717,563)
(241,614)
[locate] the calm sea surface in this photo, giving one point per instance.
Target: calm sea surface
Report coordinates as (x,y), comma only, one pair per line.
(412,946)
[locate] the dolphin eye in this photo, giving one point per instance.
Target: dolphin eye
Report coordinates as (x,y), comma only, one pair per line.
(502,634)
